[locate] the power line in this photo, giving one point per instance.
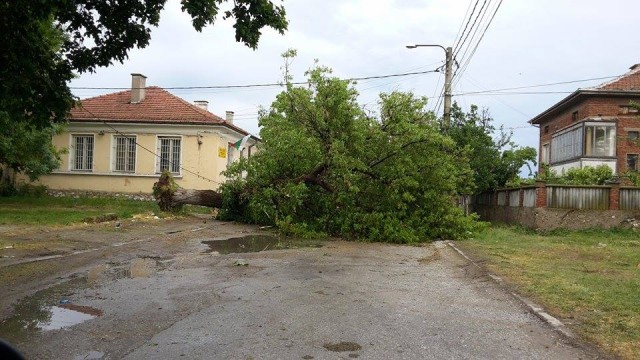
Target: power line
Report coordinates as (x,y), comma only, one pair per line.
(540,85)
(466,25)
(470,29)
(468,60)
(470,78)
(263,85)
(459,33)
(147,149)
(481,23)
(515,93)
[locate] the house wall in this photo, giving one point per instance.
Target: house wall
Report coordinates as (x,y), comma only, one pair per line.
(624,145)
(203,156)
(595,107)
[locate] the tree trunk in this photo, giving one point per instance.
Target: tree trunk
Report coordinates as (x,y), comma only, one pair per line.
(7,178)
(208,198)
(169,196)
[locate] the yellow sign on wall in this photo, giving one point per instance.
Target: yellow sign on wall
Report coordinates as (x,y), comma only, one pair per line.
(222,152)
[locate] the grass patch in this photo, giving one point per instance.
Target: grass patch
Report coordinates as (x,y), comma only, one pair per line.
(47,210)
(590,277)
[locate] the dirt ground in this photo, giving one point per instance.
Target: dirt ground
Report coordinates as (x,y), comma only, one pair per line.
(155,288)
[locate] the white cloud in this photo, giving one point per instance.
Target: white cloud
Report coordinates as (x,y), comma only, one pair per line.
(528,43)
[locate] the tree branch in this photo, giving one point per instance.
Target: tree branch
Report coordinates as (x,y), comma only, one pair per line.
(390,155)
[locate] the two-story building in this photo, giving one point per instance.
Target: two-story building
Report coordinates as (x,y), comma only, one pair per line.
(593,126)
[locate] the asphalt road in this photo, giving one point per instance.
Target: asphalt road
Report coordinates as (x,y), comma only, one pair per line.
(165,297)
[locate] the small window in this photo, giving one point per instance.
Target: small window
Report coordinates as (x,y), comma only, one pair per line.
(574,116)
(546,129)
(633,135)
(125,154)
(632,162)
(82,153)
(169,154)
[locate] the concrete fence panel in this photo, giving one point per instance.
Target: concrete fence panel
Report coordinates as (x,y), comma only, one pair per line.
(514,198)
(529,197)
(571,197)
(629,199)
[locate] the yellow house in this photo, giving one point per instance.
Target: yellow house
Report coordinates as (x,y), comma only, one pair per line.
(121,142)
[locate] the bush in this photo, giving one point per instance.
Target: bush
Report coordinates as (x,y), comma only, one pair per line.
(587,175)
(32,190)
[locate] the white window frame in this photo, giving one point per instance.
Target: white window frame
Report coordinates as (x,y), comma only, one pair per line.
(175,168)
(544,153)
(596,146)
(231,150)
(86,153)
(128,149)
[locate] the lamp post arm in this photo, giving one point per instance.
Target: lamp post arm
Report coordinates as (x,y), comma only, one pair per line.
(447,79)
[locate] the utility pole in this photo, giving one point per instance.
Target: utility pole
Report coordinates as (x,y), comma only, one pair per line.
(447,87)
(447,80)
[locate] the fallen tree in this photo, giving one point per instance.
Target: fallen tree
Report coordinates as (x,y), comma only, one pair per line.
(328,166)
(170,197)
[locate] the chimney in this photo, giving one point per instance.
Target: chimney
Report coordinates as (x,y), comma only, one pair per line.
(229,116)
(202,104)
(138,88)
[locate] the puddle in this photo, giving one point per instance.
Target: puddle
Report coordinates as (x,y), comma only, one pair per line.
(137,268)
(256,243)
(44,312)
(67,315)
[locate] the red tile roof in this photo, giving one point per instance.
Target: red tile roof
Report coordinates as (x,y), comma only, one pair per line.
(628,81)
(624,85)
(158,106)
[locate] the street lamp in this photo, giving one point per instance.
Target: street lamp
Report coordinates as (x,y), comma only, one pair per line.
(447,79)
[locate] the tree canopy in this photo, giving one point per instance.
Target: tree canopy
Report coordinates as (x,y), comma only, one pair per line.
(326,166)
(497,160)
(46,42)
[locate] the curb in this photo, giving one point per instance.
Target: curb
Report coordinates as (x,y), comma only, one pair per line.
(536,309)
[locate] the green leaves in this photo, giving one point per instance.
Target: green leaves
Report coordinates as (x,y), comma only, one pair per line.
(496,159)
(26,149)
(45,42)
(588,175)
(325,166)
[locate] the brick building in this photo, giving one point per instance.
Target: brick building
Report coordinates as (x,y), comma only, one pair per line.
(593,126)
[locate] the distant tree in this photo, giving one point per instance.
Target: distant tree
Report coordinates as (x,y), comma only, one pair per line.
(25,149)
(325,166)
(45,42)
(496,159)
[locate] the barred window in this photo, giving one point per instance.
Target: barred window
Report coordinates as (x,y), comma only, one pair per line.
(82,155)
(125,153)
(169,151)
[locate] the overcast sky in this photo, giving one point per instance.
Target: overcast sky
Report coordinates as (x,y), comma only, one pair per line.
(528,43)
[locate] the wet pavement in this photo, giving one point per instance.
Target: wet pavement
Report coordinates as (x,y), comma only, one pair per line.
(181,294)
(256,243)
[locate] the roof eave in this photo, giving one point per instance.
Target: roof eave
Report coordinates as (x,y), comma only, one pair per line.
(576,95)
(164,122)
